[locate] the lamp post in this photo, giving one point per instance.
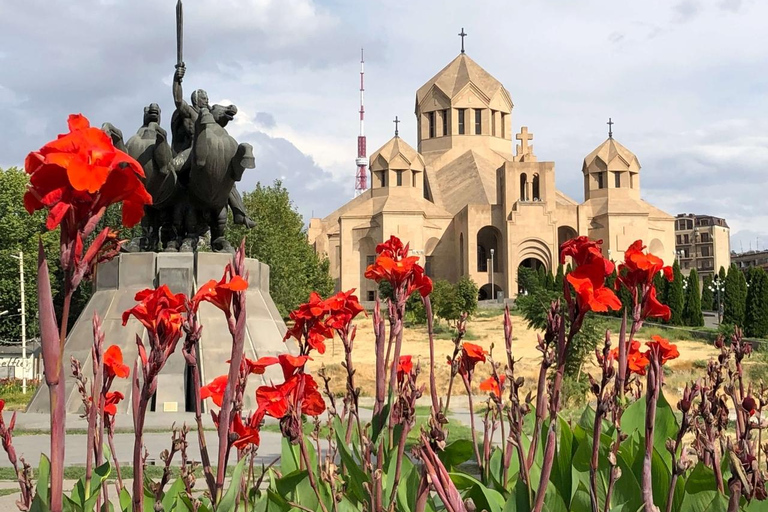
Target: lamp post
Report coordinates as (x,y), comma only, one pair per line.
(493,289)
(718,286)
(20,257)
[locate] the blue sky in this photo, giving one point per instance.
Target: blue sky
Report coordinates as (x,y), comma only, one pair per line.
(684,81)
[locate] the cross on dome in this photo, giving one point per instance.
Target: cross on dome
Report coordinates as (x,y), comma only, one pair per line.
(462,34)
(397,122)
(610,124)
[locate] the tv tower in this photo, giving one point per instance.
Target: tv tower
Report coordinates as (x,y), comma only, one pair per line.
(361,178)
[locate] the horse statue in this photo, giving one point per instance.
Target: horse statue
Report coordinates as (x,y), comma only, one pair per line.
(150,148)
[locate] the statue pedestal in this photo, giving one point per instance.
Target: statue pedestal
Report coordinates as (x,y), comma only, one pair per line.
(116,283)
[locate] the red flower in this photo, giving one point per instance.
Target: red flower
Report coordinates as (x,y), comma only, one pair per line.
(259,366)
(493,386)
(402,271)
(113,363)
(636,361)
(2,405)
(159,311)
(79,174)
(219,293)
(585,251)
(640,268)
(404,366)
(111,399)
(665,350)
(301,388)
(342,308)
(215,390)
(246,433)
(309,324)
(750,405)
(470,355)
(588,281)
(652,308)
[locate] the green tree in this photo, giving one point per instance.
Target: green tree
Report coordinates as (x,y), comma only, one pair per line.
(549,281)
(721,273)
(527,279)
(692,313)
(735,297)
(449,301)
(675,297)
(756,318)
(559,279)
(280,240)
(19,231)
(466,291)
(541,274)
(707,297)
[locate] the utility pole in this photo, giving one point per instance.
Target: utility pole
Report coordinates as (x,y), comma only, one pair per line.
(493,288)
(23,311)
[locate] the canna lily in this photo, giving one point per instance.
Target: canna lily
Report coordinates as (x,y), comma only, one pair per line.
(111,399)
(342,309)
(585,251)
(639,268)
(113,363)
(402,271)
(247,433)
(493,386)
(404,367)
(159,311)
(298,390)
(219,293)
(309,324)
(470,355)
(665,350)
(652,308)
(588,278)
(637,361)
(215,390)
(81,173)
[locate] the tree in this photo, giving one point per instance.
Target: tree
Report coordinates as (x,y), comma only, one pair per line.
(559,279)
(19,231)
(721,274)
(541,273)
(756,317)
(675,297)
(692,315)
(735,297)
(449,301)
(707,297)
(465,291)
(549,281)
(280,240)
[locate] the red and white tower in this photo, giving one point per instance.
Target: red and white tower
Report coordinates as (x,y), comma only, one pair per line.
(361,178)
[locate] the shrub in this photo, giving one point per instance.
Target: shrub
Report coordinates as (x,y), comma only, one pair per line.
(756,318)
(708,301)
(674,297)
(735,297)
(692,315)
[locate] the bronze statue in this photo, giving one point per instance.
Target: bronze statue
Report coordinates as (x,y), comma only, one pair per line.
(192,181)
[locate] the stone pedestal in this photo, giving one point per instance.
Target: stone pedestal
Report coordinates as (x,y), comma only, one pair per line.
(116,284)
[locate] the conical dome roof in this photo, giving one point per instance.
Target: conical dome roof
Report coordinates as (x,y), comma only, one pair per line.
(457,74)
(396,154)
(611,156)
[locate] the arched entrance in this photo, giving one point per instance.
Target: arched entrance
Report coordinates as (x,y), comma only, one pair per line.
(489,239)
(533,254)
(485,292)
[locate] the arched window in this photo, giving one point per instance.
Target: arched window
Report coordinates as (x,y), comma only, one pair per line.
(536,192)
(461,254)
(523,187)
(482,259)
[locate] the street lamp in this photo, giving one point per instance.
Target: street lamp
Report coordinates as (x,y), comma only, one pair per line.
(718,286)
(20,257)
(493,289)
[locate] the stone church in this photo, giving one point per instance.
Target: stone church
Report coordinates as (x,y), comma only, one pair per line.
(470,206)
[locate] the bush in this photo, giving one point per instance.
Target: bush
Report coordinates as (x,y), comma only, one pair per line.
(756,317)
(692,315)
(735,296)
(708,302)
(674,296)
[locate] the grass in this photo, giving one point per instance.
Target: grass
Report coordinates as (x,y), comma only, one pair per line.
(8,492)
(15,399)
(77,472)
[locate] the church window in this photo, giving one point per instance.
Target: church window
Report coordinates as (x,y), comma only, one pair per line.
(523,186)
(371,295)
(503,125)
(445,122)
(478,122)
(399,178)
(493,123)
(461,113)
(428,265)
(461,254)
(600,180)
(482,259)
(536,190)
(631,180)
(370,260)
(617,179)
(431,116)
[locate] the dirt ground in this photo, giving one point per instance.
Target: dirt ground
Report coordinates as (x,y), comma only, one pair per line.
(485,331)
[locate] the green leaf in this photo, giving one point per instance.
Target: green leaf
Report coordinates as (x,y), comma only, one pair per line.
(518,500)
(701,494)
(456,453)
(125,500)
(354,476)
(290,459)
(409,483)
(228,501)
(43,480)
(173,492)
(484,498)
(665,427)
(563,463)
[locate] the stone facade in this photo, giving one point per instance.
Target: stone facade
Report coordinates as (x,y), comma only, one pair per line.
(702,242)
(465,195)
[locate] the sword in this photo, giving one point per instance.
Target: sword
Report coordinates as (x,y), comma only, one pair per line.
(179,34)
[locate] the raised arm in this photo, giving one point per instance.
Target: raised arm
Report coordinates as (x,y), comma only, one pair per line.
(178,94)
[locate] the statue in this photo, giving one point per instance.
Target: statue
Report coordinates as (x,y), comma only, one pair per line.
(192,181)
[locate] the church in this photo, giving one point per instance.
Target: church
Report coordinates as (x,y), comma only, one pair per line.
(474,202)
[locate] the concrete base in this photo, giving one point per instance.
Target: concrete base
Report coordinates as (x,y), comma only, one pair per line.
(116,284)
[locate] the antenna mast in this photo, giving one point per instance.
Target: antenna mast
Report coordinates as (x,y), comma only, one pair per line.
(361,177)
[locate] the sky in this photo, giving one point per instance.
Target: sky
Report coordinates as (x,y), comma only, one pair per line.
(684,81)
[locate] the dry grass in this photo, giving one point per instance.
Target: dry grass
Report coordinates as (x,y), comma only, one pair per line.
(487,330)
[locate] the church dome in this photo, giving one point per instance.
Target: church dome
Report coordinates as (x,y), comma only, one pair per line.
(460,72)
(396,154)
(611,156)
